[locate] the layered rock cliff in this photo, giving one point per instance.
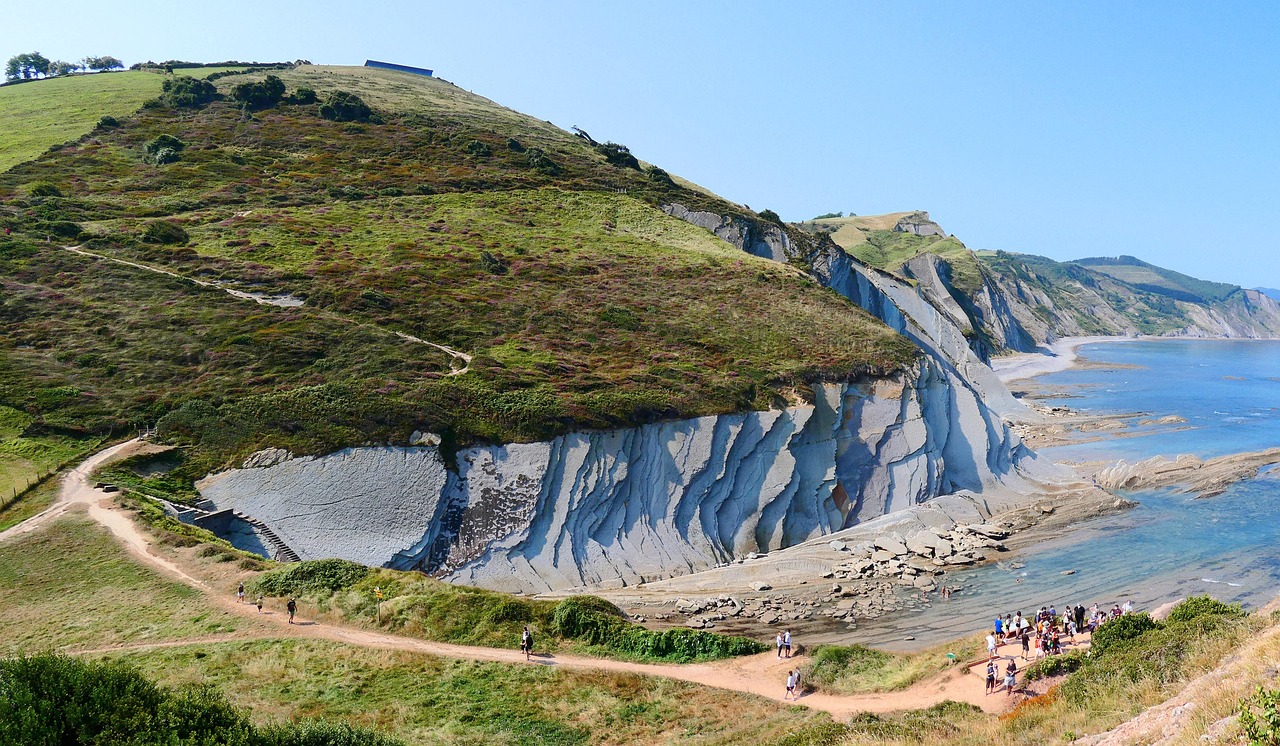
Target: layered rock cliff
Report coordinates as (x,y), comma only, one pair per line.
(641,503)
(649,502)
(1019,302)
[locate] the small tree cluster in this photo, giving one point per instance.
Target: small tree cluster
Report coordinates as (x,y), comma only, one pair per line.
(539,161)
(341,106)
(261,95)
(26,66)
(34,65)
(100,64)
(164,149)
(618,155)
(188,92)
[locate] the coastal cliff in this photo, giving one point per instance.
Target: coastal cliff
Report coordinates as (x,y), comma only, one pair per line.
(637,504)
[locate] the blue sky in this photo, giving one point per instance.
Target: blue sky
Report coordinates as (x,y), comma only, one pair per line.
(1068,129)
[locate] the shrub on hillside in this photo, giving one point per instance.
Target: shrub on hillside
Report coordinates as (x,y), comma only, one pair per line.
(1198,606)
(312,575)
(164,232)
(43,189)
(164,149)
(492,264)
(303,96)
(597,622)
(1055,665)
(658,176)
(322,733)
(341,106)
(771,216)
(618,155)
(514,145)
(188,92)
(539,161)
(107,122)
(262,94)
(59,228)
(479,149)
(833,662)
(1115,632)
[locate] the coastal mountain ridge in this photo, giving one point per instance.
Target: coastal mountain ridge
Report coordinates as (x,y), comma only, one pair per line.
(1011,302)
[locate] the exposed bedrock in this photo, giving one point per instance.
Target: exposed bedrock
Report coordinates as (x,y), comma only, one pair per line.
(672,498)
(641,503)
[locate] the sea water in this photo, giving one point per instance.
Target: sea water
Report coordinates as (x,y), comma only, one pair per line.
(1169,546)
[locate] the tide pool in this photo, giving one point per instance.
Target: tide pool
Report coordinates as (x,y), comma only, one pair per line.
(1170,545)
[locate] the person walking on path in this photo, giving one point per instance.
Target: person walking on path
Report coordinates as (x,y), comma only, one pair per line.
(991,645)
(292,606)
(792,678)
(778,641)
(259,603)
(991,675)
(786,642)
(240,594)
(526,643)
(1026,642)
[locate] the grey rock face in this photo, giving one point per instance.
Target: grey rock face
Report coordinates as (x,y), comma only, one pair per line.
(362,504)
(671,498)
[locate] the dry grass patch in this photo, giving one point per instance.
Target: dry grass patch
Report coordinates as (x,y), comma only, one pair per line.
(71,585)
(427,700)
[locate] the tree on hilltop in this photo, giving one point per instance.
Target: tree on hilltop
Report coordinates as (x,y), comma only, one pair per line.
(99,64)
(62,67)
(26,66)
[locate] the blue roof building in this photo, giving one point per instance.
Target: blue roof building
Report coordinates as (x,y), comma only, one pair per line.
(398,68)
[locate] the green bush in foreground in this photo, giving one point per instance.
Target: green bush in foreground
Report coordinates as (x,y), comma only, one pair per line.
(1197,606)
(1055,665)
(1116,632)
(938,721)
(833,662)
(52,699)
(1260,717)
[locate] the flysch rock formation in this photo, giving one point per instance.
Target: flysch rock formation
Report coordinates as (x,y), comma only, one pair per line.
(608,509)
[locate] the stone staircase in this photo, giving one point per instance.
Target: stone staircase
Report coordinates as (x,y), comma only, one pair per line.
(283,552)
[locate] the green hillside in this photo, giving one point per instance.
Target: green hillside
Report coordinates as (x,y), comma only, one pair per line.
(1159,280)
(37,116)
(442,215)
(874,242)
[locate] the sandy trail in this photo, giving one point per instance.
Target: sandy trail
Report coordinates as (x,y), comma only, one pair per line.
(762,674)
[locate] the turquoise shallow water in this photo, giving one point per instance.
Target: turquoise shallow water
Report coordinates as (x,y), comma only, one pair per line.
(1170,545)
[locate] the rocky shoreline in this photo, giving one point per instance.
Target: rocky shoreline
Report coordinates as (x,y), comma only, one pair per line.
(824,588)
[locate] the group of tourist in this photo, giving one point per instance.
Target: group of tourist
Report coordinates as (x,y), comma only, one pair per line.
(291,606)
(1041,636)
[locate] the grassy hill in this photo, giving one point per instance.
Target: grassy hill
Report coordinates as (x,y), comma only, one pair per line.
(874,240)
(106,602)
(46,113)
(443,216)
(1159,280)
